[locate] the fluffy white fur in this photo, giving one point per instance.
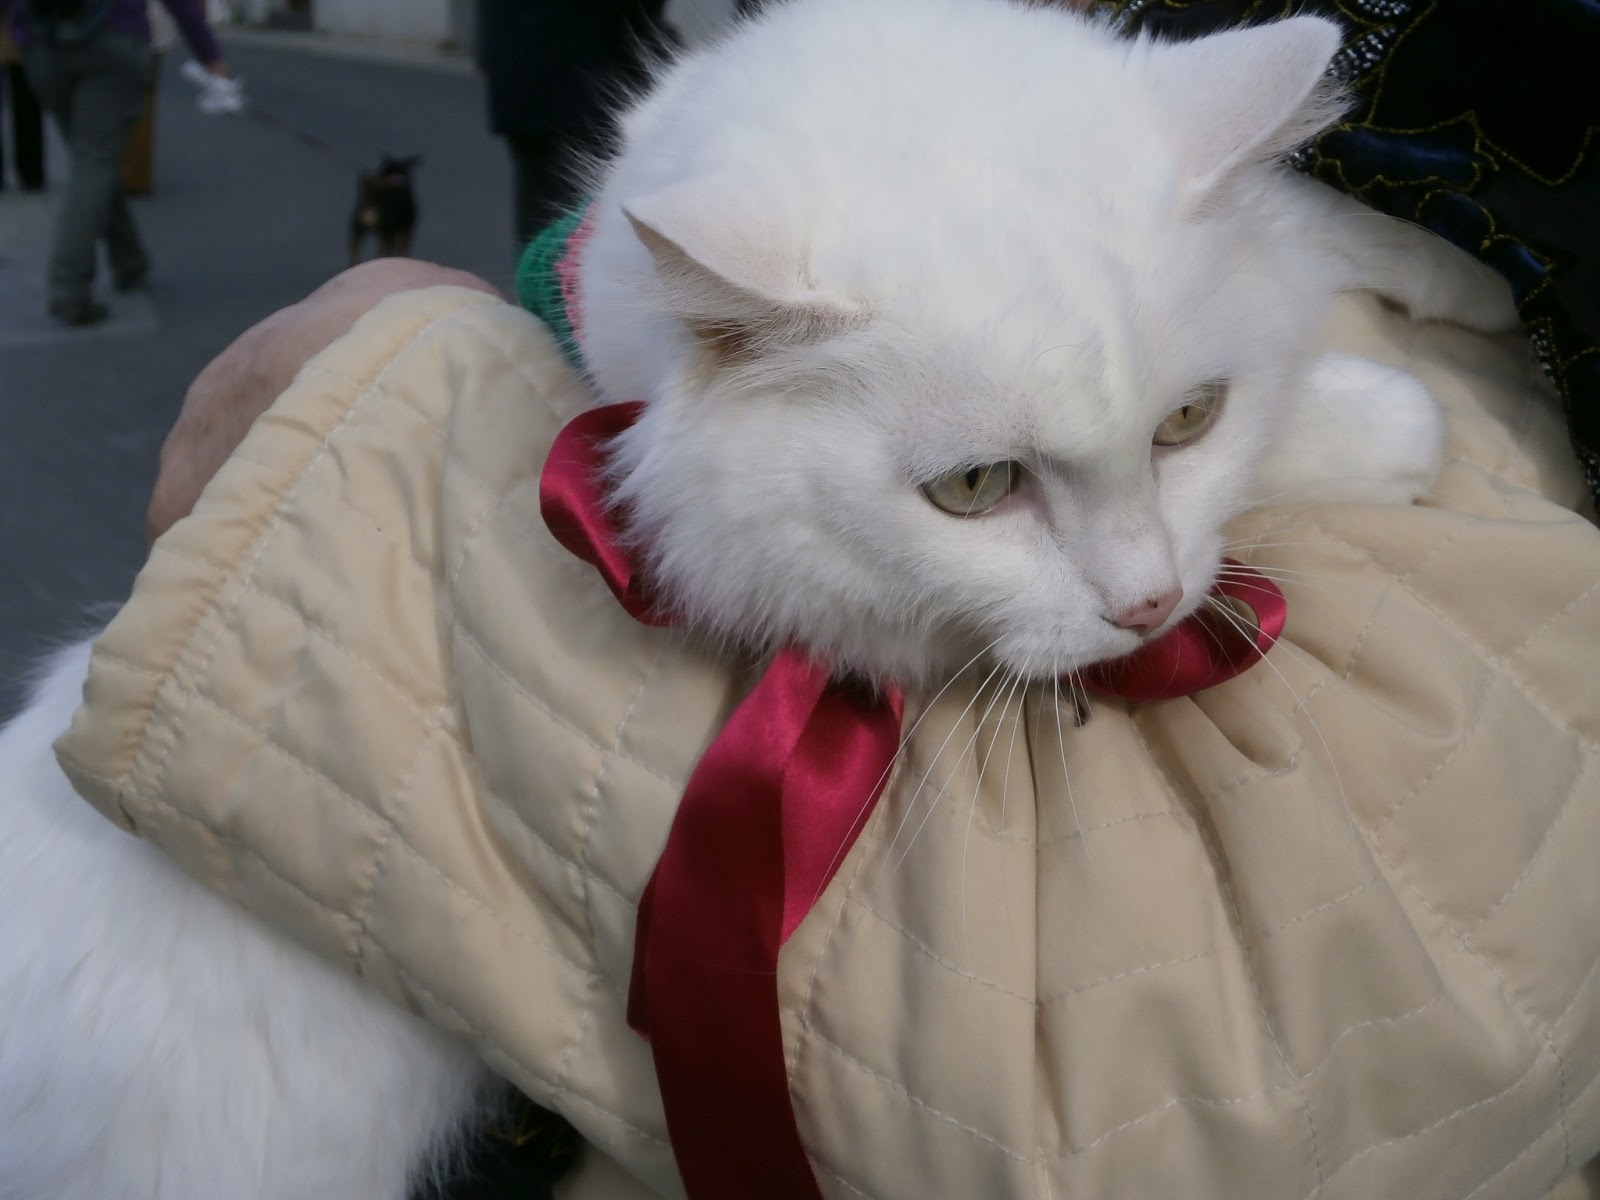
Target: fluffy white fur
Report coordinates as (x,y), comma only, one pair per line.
(869,243)
(156,1043)
(860,245)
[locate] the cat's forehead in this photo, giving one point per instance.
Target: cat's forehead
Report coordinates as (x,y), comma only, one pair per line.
(989,395)
(1033,352)
(1039,313)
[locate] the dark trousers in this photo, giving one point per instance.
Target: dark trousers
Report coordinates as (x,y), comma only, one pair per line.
(543,165)
(542,184)
(27,128)
(94,93)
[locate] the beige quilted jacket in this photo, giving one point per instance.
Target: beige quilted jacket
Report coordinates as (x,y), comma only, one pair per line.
(1329,930)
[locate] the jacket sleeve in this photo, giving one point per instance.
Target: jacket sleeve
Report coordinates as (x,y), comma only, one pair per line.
(191,19)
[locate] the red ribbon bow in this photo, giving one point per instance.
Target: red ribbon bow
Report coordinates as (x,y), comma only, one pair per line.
(770,811)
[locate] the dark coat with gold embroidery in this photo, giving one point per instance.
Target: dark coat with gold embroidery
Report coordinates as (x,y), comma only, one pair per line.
(1479,119)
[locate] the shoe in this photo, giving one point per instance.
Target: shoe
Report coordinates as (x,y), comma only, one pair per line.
(79,313)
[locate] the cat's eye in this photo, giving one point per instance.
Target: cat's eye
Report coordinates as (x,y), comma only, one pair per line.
(1193,417)
(974,490)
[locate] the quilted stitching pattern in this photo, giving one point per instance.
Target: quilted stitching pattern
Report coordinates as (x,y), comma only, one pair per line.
(1326,931)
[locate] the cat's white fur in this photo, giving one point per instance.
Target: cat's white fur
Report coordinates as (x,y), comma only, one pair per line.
(156,1043)
(890,239)
(860,244)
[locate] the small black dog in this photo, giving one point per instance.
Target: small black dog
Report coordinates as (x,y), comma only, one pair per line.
(386,206)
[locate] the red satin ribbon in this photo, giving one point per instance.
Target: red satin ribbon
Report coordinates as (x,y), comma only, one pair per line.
(774,804)
(772,808)
(574,508)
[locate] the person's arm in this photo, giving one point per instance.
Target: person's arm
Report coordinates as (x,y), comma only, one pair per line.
(190,17)
(241,383)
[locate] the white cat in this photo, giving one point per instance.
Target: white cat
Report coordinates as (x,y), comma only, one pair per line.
(881,245)
(960,323)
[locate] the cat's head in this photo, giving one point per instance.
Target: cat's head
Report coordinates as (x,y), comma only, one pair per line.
(971,383)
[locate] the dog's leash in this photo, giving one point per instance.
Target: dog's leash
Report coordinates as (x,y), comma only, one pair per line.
(263,117)
(225,95)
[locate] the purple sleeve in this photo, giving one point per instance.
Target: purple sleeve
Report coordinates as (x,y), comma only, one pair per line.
(191,19)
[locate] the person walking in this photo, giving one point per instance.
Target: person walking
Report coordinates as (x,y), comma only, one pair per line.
(89,62)
(27,121)
(553,69)
(138,161)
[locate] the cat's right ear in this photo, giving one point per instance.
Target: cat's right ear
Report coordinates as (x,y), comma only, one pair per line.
(738,285)
(1247,95)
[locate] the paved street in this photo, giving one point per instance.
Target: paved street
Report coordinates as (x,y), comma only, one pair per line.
(244,220)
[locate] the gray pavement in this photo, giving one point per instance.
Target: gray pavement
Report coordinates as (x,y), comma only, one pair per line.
(243,220)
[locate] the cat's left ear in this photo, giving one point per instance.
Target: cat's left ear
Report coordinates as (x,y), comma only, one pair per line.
(735,282)
(1247,95)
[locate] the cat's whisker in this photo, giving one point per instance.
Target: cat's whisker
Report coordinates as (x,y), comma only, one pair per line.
(1262,582)
(1206,626)
(1327,751)
(1066,775)
(1285,584)
(966,747)
(1011,688)
(907,738)
(1299,704)
(1244,545)
(1023,683)
(1082,704)
(1300,579)
(1268,499)
(1264,568)
(894,759)
(1246,566)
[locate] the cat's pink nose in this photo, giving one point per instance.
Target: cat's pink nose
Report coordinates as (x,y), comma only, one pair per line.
(1148,614)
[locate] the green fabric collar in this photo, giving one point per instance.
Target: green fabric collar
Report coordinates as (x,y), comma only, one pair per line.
(539,284)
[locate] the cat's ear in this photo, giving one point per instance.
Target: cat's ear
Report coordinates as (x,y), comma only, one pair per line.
(1247,95)
(739,283)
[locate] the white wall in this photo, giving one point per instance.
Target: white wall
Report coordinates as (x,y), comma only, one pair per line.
(247,12)
(425,21)
(430,21)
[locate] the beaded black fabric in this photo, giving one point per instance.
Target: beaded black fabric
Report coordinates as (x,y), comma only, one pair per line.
(1480,120)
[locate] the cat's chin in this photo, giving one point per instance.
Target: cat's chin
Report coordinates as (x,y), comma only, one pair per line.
(927,655)
(1067,666)
(1028,657)
(1007,659)
(925,660)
